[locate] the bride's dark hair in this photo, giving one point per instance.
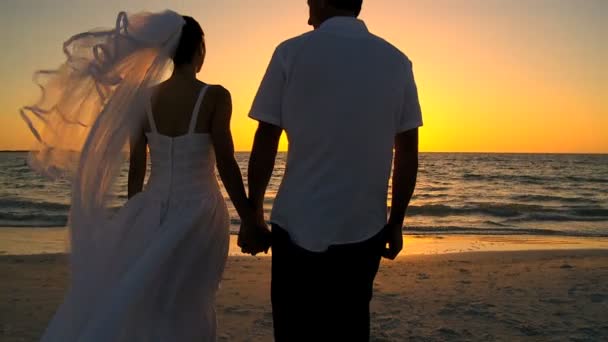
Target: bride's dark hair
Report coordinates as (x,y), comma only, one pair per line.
(189,42)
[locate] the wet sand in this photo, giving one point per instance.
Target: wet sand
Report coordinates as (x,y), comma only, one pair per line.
(557,295)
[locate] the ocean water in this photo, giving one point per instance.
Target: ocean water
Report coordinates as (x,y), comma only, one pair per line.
(457,193)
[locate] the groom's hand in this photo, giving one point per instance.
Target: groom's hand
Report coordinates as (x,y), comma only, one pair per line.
(393,237)
(254,238)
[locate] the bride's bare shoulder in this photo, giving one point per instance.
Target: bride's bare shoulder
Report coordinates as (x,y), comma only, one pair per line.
(219,93)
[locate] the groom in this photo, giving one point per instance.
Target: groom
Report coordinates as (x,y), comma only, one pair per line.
(345,98)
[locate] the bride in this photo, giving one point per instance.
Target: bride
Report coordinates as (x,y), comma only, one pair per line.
(149,271)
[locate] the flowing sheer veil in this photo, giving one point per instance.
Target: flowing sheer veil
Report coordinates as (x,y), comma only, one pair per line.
(88,110)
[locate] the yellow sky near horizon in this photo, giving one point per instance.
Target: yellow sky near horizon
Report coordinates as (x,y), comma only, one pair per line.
(493,75)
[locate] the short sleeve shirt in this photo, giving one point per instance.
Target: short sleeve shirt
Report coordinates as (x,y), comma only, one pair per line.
(341,94)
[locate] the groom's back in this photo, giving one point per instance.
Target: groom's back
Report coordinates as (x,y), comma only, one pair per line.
(341,92)
(344,95)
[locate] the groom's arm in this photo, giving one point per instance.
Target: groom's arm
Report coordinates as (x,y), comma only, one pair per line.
(405,168)
(255,238)
(266,109)
(405,172)
(261,164)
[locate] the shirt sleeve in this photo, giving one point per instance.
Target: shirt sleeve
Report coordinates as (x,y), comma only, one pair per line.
(410,116)
(268,100)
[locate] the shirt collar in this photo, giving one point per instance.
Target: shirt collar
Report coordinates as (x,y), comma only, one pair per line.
(344,25)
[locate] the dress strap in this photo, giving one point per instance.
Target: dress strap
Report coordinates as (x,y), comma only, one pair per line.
(150,116)
(197,108)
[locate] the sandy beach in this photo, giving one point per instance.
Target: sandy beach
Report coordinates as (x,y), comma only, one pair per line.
(553,294)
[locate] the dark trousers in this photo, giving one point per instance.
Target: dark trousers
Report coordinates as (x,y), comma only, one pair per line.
(322,296)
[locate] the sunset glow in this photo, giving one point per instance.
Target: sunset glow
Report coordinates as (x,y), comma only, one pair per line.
(493,75)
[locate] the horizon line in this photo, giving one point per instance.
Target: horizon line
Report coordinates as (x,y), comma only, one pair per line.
(456,152)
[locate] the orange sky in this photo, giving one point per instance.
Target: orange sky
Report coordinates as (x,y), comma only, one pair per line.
(493,75)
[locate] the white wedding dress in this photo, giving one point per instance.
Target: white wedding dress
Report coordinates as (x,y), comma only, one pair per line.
(156,275)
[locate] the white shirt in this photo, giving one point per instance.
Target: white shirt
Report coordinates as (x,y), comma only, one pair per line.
(341,94)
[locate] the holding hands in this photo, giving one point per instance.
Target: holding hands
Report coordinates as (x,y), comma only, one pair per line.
(254,236)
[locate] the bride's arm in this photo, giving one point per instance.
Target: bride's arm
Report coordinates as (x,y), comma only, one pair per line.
(137,163)
(224,152)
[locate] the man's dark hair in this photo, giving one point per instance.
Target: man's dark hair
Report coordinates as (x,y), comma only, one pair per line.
(189,42)
(347,5)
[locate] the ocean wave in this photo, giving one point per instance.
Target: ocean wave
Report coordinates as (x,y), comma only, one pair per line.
(13,203)
(434,189)
(491,209)
(458,230)
(430,196)
(532,179)
(556,217)
(552,198)
(32,220)
(28,186)
(36,221)
(587,179)
(518,211)
(490,194)
(524,179)
(18,209)
(592,212)
(455,230)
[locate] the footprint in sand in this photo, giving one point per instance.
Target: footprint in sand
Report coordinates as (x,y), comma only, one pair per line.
(263,323)
(388,323)
(224,337)
(237,310)
(451,309)
(529,330)
(460,261)
(597,297)
(464,271)
(557,301)
(423,276)
(447,333)
(484,310)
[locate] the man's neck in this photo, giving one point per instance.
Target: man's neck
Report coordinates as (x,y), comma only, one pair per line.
(337,13)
